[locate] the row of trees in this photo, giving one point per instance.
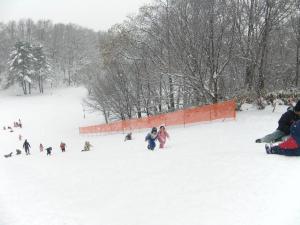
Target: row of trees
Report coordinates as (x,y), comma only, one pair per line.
(173,54)
(67,48)
(180,53)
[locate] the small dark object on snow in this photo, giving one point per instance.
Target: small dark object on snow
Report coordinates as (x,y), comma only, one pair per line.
(258,141)
(128,137)
(18,152)
(49,149)
(8,155)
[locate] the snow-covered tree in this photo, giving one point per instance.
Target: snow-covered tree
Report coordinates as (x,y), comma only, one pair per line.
(41,66)
(21,65)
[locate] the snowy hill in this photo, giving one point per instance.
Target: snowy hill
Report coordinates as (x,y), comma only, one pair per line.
(209,174)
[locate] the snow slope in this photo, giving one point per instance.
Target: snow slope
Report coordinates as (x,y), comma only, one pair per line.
(209,174)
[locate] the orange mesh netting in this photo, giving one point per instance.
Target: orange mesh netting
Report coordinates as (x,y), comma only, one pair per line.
(192,115)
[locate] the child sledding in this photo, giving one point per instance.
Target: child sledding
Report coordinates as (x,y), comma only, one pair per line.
(290,147)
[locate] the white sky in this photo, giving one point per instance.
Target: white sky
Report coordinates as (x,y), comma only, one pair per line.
(95,14)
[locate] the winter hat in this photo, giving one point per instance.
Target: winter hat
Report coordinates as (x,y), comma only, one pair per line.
(154,129)
(297,107)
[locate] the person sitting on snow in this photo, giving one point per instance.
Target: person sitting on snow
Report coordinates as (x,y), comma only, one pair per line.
(18,152)
(290,147)
(87,146)
(151,138)
(128,137)
(284,124)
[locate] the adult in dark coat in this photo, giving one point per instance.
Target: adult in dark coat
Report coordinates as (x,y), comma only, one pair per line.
(284,124)
(26,146)
(290,147)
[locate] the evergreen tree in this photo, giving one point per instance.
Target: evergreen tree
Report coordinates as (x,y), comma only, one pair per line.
(21,66)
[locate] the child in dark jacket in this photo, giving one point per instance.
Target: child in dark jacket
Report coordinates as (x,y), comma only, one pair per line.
(290,147)
(151,138)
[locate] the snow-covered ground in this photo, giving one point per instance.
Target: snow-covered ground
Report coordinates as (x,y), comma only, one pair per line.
(209,174)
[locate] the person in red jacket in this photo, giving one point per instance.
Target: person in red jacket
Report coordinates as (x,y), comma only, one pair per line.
(290,147)
(162,136)
(63,146)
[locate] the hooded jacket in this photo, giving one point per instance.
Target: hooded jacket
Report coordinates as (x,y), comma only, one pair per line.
(286,120)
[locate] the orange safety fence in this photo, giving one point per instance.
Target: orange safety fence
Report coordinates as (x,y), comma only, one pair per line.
(204,113)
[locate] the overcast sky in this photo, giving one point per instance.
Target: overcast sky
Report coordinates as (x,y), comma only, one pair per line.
(95,14)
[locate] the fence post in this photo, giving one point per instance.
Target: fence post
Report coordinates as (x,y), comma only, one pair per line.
(184,118)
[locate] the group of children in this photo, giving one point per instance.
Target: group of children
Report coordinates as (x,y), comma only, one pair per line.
(287,133)
(16,124)
(26,146)
(154,135)
(161,136)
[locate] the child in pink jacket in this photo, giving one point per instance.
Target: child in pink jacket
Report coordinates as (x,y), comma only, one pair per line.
(162,136)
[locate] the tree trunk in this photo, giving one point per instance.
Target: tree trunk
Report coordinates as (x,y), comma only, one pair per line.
(250,65)
(25,87)
(29,88)
(297,64)
(171,87)
(264,51)
(69,77)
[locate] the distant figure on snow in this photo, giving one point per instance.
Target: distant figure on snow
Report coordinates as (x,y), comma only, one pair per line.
(49,149)
(87,146)
(151,138)
(20,124)
(18,152)
(162,136)
(284,124)
(290,147)
(41,147)
(62,146)
(8,155)
(128,137)
(20,137)
(4,128)
(26,146)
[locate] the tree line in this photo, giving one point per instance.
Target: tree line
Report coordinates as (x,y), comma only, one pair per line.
(47,53)
(180,53)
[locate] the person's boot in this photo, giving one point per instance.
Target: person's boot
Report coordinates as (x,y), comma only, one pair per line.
(268,149)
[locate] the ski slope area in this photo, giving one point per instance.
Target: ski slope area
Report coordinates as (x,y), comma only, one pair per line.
(208,174)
